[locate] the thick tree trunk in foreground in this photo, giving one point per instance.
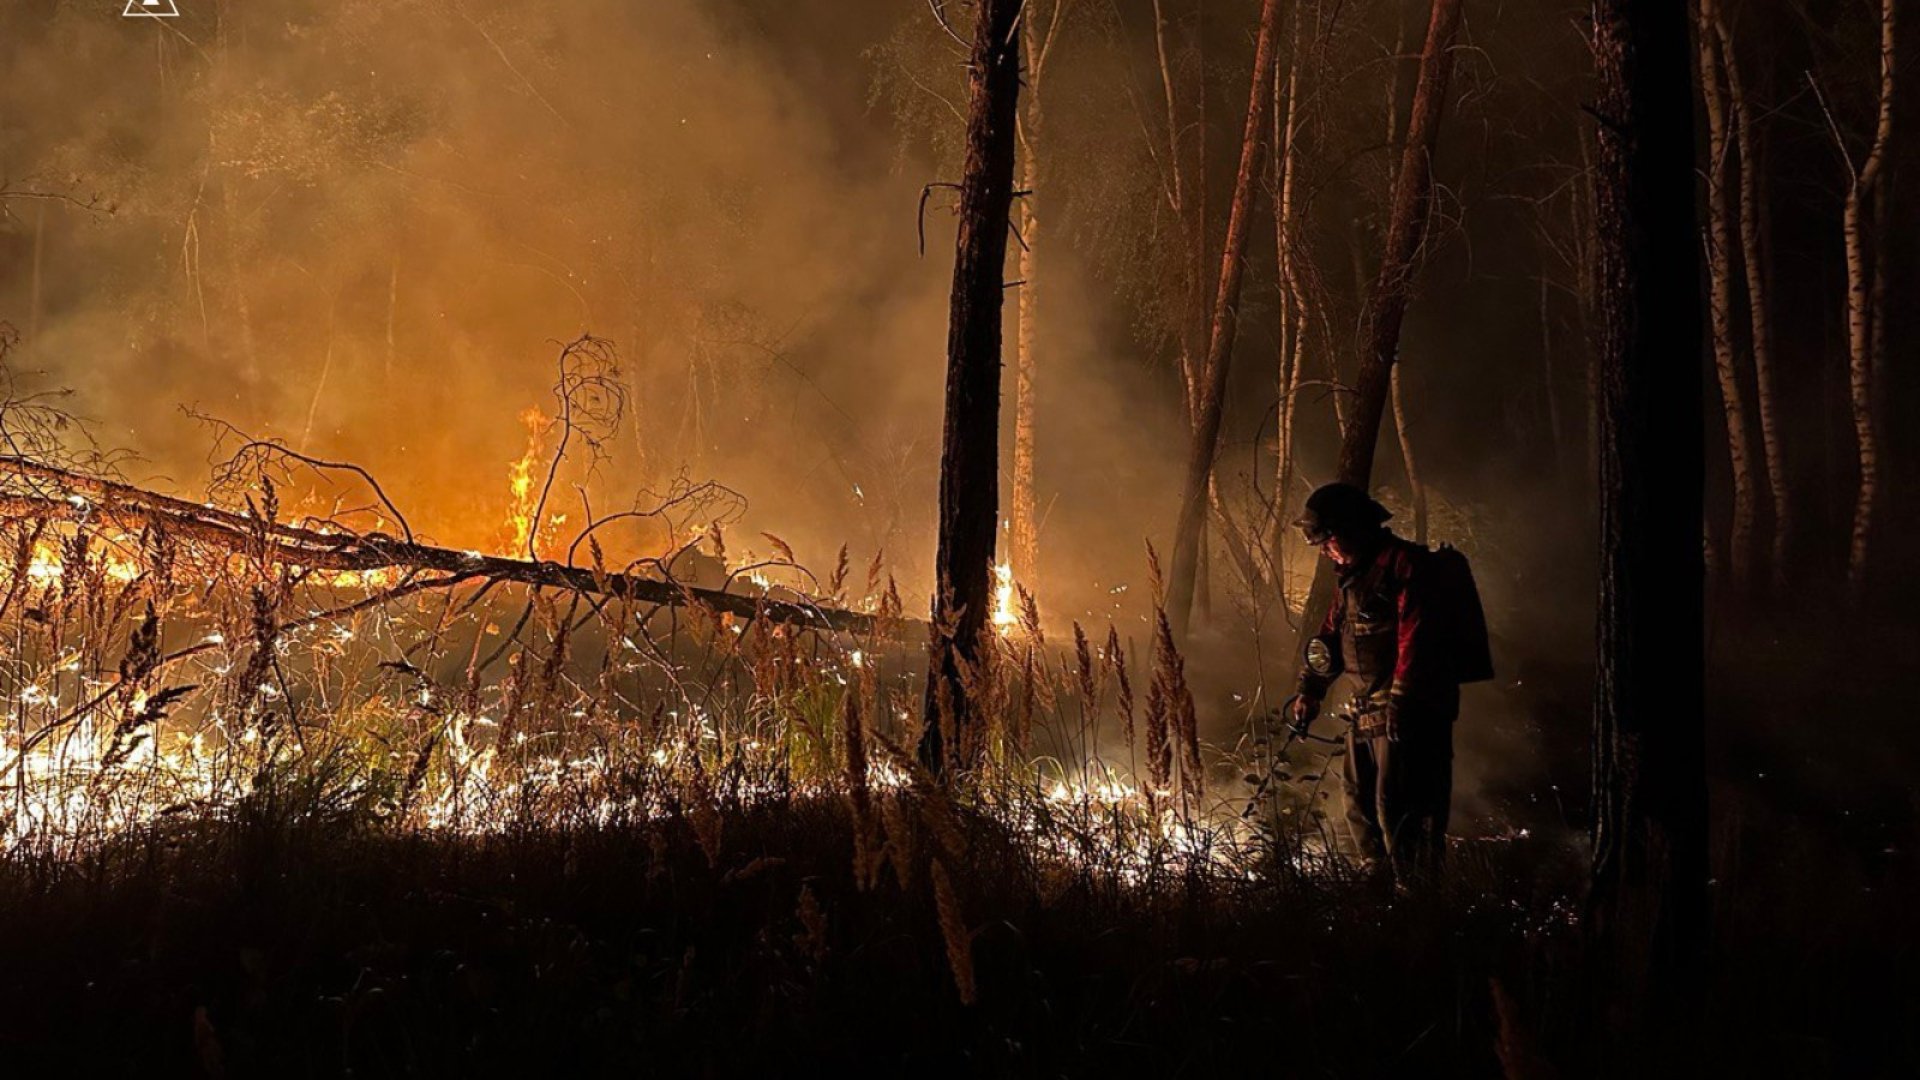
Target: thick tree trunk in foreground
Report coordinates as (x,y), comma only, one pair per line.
(1213,374)
(970,449)
(1387,304)
(1648,907)
(1719,245)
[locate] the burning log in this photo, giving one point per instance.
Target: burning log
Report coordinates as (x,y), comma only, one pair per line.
(55,494)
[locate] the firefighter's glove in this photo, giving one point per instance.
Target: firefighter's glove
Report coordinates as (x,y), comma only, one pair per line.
(1302,712)
(1390,718)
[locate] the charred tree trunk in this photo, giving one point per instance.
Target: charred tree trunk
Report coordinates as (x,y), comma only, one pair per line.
(1759,314)
(969,455)
(1648,907)
(1387,305)
(1719,245)
(1213,374)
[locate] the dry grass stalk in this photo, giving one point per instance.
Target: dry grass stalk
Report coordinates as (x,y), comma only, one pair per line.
(1117,659)
(900,840)
(1170,685)
(867,856)
(953,928)
(1083,666)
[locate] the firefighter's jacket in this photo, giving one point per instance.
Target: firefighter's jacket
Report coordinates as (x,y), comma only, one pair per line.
(1378,640)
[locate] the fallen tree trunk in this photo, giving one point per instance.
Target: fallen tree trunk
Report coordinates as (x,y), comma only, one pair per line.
(61,495)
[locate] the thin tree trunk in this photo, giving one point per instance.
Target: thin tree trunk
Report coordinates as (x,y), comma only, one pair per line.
(33,295)
(1589,289)
(393,306)
(1025,523)
(1025,519)
(1760,316)
(1418,489)
(1206,429)
(969,456)
(320,383)
(249,357)
(1387,304)
(1648,907)
(1719,246)
(1860,315)
(1550,383)
(1293,310)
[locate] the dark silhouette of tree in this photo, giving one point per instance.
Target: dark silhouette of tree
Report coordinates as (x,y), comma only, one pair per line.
(1648,906)
(970,447)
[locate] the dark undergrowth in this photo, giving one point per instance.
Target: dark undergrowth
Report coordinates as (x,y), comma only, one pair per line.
(256,948)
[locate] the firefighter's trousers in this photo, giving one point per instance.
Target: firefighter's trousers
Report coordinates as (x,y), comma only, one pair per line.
(1397,793)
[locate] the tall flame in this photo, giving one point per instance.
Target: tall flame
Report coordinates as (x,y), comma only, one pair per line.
(523,490)
(1006,614)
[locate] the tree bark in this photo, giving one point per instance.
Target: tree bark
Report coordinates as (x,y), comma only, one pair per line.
(1719,247)
(1648,906)
(1293,308)
(1213,375)
(56,494)
(969,457)
(1025,527)
(1861,314)
(1759,314)
(1387,304)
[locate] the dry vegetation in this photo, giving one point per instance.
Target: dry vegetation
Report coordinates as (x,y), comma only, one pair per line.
(272,816)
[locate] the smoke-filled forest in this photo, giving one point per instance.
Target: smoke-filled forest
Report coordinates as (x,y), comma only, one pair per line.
(982,537)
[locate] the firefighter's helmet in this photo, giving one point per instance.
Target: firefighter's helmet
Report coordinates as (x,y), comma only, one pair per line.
(1335,508)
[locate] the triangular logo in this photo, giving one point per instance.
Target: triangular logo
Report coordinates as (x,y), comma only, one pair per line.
(151,9)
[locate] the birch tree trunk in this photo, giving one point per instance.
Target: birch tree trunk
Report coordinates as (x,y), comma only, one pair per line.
(1648,906)
(1293,307)
(1760,315)
(1213,380)
(1862,311)
(1416,491)
(1719,245)
(969,454)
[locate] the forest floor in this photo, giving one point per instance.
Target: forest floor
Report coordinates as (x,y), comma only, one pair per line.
(256,946)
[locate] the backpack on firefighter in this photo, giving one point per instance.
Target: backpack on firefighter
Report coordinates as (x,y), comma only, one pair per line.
(1455,603)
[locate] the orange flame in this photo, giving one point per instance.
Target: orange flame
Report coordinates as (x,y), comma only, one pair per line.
(523,491)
